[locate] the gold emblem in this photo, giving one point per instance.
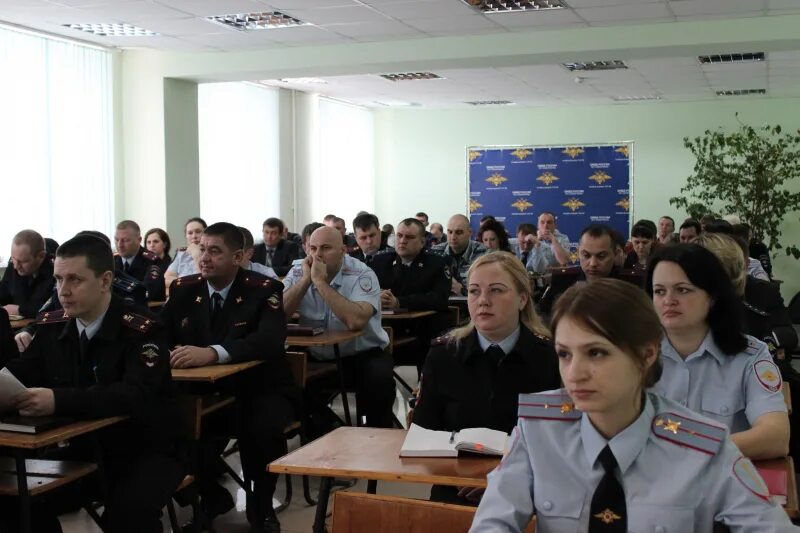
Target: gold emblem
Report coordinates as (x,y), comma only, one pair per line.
(127,318)
(473,205)
(624,150)
(474,154)
(573,256)
(239,299)
(547,178)
(199,299)
(522,204)
(600,177)
(496,179)
(769,376)
(608,516)
(573,204)
(669,425)
(567,407)
(521,153)
(573,151)
(624,204)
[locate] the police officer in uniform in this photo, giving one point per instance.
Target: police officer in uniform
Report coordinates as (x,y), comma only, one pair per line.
(100,357)
(460,250)
(603,455)
(472,376)
(369,239)
(28,278)
(227,314)
(135,261)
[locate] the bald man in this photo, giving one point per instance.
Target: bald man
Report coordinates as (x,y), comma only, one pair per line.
(332,290)
(460,250)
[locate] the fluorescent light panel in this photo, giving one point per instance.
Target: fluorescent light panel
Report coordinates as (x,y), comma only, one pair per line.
(112,30)
(411,76)
(613,64)
(642,98)
(265,20)
(510,6)
(304,81)
(732,58)
(490,102)
(741,92)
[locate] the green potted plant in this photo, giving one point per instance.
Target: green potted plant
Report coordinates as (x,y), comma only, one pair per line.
(747,172)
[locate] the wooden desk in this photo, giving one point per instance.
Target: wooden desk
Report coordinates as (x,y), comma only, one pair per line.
(21,323)
(408,315)
(786,464)
(453,299)
(211,373)
(374,454)
(330,338)
(22,442)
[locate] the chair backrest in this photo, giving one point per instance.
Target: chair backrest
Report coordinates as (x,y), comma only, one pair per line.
(390,332)
(355,512)
(298,364)
(794,309)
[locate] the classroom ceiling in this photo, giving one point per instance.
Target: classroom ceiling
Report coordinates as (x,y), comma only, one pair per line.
(182,26)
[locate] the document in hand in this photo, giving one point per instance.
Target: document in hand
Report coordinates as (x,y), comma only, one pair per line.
(421,442)
(10,387)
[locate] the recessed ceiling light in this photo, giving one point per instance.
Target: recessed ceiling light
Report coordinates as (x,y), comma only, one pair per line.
(112,30)
(741,92)
(509,6)
(411,76)
(642,98)
(490,102)
(304,81)
(732,58)
(613,64)
(397,103)
(266,20)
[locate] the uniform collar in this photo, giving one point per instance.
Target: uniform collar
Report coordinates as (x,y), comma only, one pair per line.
(708,346)
(102,328)
(506,344)
(222,292)
(626,445)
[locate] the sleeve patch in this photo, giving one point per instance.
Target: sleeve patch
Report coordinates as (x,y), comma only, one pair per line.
(149,354)
(747,475)
(365,282)
(768,375)
(447,272)
(274,301)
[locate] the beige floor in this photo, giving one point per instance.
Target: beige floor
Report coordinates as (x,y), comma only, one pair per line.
(299,516)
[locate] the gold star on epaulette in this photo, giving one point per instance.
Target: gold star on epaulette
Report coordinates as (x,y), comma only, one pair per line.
(239,299)
(669,425)
(127,317)
(608,516)
(199,299)
(567,407)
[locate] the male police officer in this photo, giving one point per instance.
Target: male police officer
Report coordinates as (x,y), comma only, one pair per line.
(460,250)
(28,279)
(137,262)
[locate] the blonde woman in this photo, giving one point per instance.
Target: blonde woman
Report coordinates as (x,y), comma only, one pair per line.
(473,376)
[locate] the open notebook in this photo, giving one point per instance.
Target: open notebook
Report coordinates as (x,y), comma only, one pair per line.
(421,442)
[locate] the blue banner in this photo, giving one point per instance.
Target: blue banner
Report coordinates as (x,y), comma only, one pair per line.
(579,184)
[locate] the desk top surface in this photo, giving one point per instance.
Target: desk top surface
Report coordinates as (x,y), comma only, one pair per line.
(21,323)
(326,338)
(212,373)
(372,453)
(408,315)
(24,440)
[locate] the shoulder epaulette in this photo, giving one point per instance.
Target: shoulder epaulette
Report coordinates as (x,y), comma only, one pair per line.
(444,339)
(188,280)
(543,338)
(150,256)
(548,406)
(754,309)
(126,284)
(683,431)
(137,322)
(566,271)
(754,346)
(257,281)
(52,317)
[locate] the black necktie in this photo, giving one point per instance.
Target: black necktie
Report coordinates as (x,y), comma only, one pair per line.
(525,258)
(216,307)
(608,511)
(495,353)
(84,345)
(270,253)
(125,266)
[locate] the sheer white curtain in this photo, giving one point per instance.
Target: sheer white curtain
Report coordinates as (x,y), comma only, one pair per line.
(238,142)
(56,138)
(344,183)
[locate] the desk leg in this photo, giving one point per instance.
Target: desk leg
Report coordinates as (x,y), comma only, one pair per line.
(24,495)
(372,486)
(322,504)
(342,388)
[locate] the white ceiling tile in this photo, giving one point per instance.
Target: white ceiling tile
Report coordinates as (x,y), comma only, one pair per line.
(783,4)
(301,34)
(208,8)
(310,4)
(385,29)
(337,15)
(536,19)
(417,9)
(621,13)
(185,26)
(129,12)
(464,25)
(607,3)
(683,8)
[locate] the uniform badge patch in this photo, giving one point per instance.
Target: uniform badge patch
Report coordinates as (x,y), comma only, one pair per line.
(748,476)
(768,375)
(149,354)
(447,273)
(365,283)
(274,301)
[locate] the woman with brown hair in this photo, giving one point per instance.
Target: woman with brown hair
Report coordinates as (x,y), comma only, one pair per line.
(473,376)
(605,455)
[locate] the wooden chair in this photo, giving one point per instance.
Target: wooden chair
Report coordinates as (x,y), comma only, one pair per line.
(355,512)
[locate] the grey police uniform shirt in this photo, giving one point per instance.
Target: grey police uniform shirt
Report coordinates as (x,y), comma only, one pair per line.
(262,269)
(473,251)
(541,257)
(673,482)
(734,390)
(356,282)
(183,264)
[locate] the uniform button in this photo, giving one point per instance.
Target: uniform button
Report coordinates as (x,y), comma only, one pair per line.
(724,410)
(660,529)
(547,506)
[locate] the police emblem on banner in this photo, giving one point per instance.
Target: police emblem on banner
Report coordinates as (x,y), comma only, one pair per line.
(473,155)
(623,150)
(521,153)
(624,204)
(573,151)
(474,204)
(522,204)
(496,179)
(547,178)
(600,177)
(573,204)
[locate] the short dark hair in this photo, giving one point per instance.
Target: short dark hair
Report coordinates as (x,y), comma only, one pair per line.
(338,219)
(388,229)
(32,239)
(422,214)
(195,219)
(308,229)
(669,218)
(248,238)
(231,235)
(484,218)
(274,222)
(329,218)
(526,229)
(642,231)
(691,223)
(366,221)
(719,226)
(98,254)
(129,224)
(598,230)
(416,223)
(742,231)
(162,235)
(705,271)
(618,311)
(94,233)
(547,213)
(650,224)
